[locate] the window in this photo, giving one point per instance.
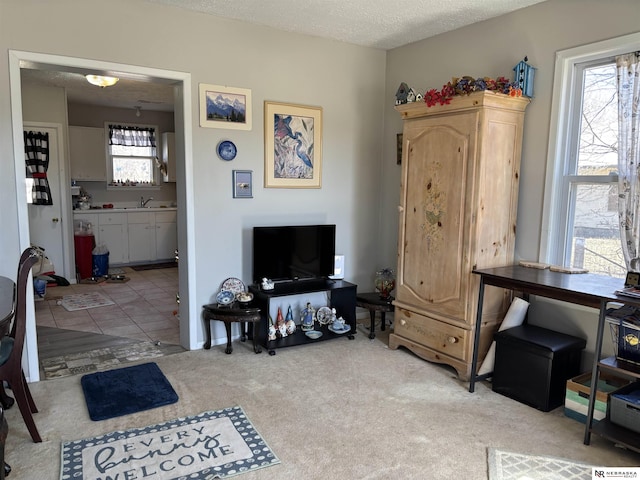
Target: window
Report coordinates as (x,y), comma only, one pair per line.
(581,207)
(132,154)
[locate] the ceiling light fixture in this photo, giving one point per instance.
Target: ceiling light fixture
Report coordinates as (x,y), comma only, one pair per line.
(101,81)
(138,111)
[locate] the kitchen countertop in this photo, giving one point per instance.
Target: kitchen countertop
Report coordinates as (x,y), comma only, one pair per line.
(125,209)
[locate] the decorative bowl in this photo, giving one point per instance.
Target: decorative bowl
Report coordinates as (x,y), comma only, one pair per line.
(225,297)
(313,334)
(244,297)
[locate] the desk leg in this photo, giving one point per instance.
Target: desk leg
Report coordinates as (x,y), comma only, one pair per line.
(476,337)
(382,320)
(229,348)
(595,371)
(372,328)
(207,331)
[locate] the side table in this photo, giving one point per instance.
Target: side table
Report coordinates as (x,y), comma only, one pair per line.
(372,302)
(230,314)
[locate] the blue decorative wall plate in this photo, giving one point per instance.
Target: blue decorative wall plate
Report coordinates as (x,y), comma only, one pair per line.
(227,150)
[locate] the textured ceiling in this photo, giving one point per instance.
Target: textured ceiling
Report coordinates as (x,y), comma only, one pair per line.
(383,24)
(370,23)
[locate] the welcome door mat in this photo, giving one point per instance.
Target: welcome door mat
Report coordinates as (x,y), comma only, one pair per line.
(81,301)
(209,445)
(516,466)
(127,390)
(153,266)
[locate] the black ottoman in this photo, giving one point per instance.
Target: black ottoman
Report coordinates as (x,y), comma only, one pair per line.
(533,364)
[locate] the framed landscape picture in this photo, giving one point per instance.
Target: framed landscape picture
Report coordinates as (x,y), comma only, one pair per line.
(293,146)
(225,107)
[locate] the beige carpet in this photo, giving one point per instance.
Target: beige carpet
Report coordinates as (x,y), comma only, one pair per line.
(341,409)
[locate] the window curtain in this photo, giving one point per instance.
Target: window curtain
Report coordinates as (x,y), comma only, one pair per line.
(628,79)
(36,155)
(132,136)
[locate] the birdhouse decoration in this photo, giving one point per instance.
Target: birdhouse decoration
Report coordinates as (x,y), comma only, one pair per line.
(524,77)
(402,93)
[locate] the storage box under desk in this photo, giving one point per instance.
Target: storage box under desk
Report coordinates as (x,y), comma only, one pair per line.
(533,364)
(578,392)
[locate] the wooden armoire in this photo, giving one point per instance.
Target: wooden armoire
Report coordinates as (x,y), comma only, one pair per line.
(458,205)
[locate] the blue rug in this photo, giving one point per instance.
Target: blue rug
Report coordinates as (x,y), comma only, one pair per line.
(123,391)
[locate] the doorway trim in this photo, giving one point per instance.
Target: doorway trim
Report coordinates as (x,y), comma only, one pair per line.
(184,187)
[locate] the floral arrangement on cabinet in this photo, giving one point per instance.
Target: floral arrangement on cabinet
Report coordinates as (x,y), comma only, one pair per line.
(522,84)
(458,86)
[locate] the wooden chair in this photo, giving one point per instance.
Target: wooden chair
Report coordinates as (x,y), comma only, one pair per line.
(12,345)
(5,469)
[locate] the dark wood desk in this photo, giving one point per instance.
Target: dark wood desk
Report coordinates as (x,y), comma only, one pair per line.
(587,289)
(230,314)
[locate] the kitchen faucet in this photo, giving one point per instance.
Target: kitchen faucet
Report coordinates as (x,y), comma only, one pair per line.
(143,202)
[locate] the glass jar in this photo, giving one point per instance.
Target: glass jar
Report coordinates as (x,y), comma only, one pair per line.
(385,282)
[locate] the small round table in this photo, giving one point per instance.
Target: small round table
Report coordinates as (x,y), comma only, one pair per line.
(230,314)
(372,302)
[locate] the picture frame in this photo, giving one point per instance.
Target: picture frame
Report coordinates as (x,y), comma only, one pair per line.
(230,115)
(398,149)
(242,183)
(293,146)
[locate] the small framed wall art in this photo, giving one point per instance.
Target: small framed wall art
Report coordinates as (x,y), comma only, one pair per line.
(225,107)
(242,184)
(292,145)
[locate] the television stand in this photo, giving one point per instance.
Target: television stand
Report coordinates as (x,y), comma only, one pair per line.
(342,297)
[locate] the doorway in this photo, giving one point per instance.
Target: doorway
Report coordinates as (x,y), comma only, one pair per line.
(184,185)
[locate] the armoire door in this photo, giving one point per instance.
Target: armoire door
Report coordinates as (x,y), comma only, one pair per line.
(437,191)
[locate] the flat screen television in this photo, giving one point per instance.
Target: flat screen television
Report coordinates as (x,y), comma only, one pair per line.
(286,253)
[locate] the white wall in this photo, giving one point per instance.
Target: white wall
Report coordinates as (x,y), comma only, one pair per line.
(492,48)
(345,80)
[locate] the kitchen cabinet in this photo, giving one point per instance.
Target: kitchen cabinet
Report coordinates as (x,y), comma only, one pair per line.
(112,232)
(166,235)
(169,156)
(87,153)
(109,229)
(459,194)
(142,236)
(152,236)
(85,219)
(134,235)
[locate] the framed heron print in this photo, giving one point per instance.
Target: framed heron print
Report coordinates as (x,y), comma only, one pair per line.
(225,107)
(292,145)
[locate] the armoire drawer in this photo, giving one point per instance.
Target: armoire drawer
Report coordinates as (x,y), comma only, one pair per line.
(434,334)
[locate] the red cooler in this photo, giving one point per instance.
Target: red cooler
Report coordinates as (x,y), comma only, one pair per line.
(84,245)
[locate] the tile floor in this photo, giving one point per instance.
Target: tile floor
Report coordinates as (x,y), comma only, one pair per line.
(142,323)
(144,307)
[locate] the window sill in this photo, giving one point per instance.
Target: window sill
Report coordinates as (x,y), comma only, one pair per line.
(129,188)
